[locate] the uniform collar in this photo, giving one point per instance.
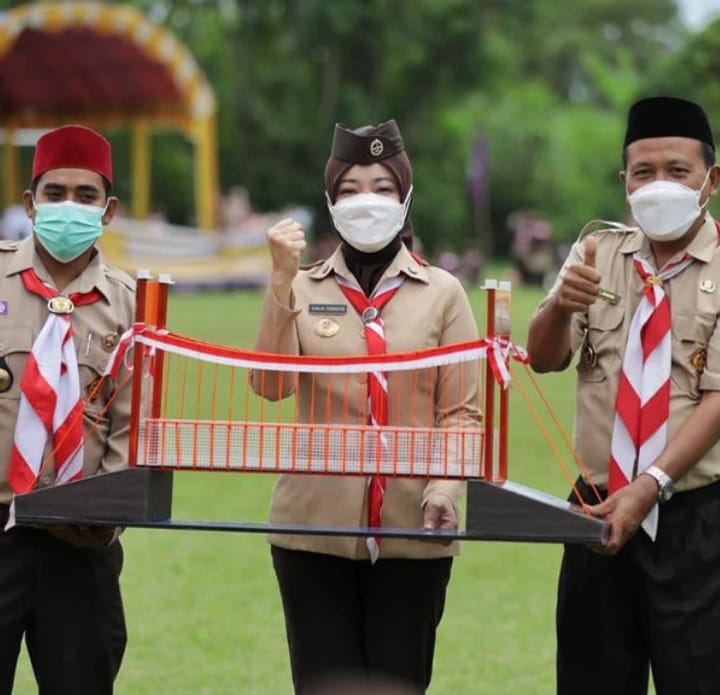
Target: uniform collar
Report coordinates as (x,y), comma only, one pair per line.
(93,277)
(705,242)
(702,247)
(404,262)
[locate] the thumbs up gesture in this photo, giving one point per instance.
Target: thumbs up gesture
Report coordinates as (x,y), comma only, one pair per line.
(580,285)
(590,248)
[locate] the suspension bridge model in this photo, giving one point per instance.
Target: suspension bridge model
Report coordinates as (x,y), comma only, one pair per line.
(194,408)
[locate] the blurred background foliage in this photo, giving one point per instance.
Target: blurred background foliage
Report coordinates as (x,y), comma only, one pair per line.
(537,89)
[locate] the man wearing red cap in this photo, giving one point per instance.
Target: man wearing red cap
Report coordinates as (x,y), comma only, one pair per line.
(61,314)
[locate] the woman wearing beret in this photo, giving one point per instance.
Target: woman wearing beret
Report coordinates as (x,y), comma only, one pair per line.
(365,607)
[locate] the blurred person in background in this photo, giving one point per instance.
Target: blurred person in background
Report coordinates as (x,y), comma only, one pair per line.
(16,225)
(365,606)
(532,248)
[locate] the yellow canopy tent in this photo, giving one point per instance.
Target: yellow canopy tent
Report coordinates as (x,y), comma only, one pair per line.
(105,66)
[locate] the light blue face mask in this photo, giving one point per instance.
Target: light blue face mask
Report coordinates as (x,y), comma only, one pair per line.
(67,229)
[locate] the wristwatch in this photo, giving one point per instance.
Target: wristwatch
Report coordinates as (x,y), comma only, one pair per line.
(666,487)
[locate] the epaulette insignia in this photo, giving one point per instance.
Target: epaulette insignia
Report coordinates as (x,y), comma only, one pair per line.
(113,273)
(604,226)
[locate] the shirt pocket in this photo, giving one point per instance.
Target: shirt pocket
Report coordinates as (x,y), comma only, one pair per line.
(15,346)
(94,390)
(601,346)
(691,335)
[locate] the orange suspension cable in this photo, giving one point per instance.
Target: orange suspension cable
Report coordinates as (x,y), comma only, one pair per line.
(180,407)
(345,418)
(568,475)
(578,461)
(228,438)
(198,402)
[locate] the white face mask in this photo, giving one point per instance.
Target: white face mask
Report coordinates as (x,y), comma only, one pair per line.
(665,210)
(368,221)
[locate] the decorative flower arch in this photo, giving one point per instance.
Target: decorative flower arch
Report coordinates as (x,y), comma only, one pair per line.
(105,66)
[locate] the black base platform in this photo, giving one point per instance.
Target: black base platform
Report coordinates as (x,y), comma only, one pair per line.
(508,511)
(135,494)
(142,497)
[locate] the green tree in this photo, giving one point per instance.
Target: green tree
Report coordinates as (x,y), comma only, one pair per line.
(547,89)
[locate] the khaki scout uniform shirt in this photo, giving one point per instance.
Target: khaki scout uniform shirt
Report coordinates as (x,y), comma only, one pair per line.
(430,309)
(96,329)
(694,296)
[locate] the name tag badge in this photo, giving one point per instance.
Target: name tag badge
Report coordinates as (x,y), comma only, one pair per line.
(328,309)
(608,296)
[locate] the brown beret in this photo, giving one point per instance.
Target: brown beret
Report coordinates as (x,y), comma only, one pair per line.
(367,144)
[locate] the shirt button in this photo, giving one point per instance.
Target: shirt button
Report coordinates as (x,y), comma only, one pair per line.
(412,271)
(45,480)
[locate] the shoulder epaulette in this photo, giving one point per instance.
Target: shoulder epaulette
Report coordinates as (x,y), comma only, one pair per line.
(113,273)
(604,226)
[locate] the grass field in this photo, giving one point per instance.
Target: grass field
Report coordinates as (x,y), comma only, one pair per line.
(203,612)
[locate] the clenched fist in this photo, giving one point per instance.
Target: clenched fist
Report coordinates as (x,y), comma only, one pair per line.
(580,285)
(286,240)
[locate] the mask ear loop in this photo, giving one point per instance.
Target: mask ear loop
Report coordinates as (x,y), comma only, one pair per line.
(408,198)
(104,211)
(331,209)
(700,190)
(406,205)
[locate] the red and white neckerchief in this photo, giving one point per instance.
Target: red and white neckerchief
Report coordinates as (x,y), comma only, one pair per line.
(643,398)
(369,310)
(51,406)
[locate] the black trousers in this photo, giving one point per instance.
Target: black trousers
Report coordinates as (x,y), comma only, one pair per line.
(653,605)
(66,602)
(351,618)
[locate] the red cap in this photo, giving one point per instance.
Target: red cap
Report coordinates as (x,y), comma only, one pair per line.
(73,147)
